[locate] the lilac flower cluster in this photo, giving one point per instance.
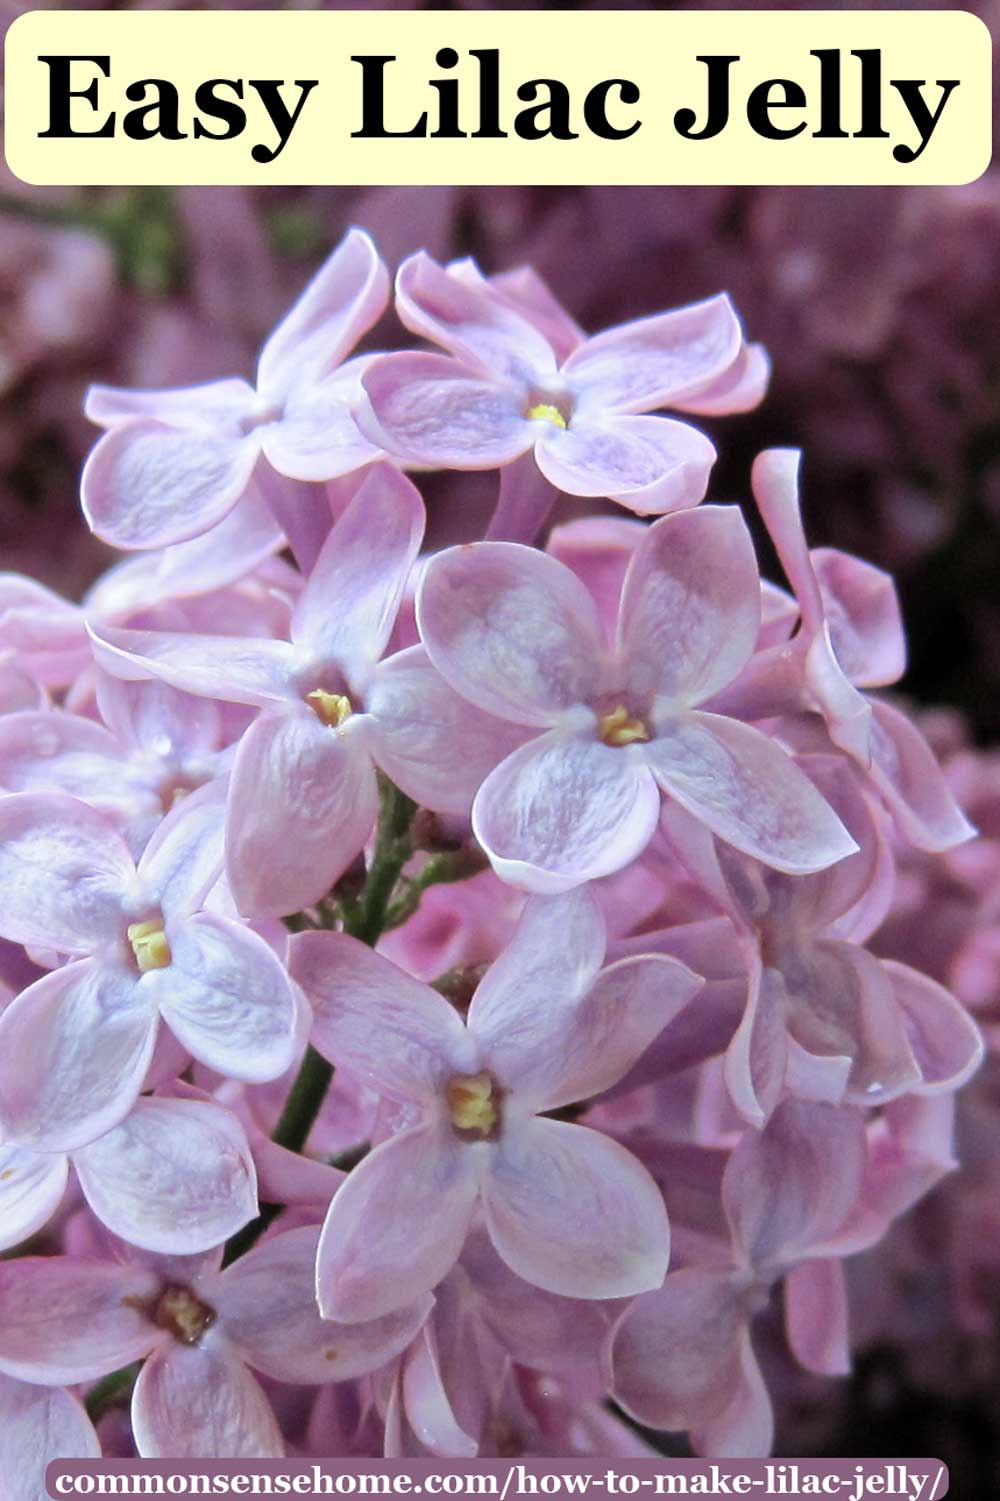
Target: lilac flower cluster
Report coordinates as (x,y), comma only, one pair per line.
(437,989)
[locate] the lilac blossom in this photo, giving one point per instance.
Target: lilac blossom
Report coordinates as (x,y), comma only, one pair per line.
(825,1019)
(642,961)
(173,463)
(303,792)
(202,1333)
(84,1034)
(518,635)
(546,1026)
(850,638)
(518,377)
(682,1356)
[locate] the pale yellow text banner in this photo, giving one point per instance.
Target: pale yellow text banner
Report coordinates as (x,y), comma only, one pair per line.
(437,97)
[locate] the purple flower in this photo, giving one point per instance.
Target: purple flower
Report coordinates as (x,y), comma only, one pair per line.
(202,1332)
(850,637)
(76,1045)
(174,463)
(566,1208)
(517,634)
(521,378)
(303,794)
(155,746)
(825,1019)
(682,1356)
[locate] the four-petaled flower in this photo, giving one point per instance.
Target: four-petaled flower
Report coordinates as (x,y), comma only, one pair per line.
(520,378)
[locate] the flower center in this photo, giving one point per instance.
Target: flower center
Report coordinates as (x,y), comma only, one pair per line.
(262,414)
(473,1105)
(331,708)
(182,1314)
(149,944)
(546,412)
(620,727)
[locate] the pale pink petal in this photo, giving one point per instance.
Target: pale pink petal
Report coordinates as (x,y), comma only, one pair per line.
(396,1034)
(82,1038)
(230,550)
(183,859)
(348,608)
(844,1007)
(232,668)
(650,464)
(44,630)
(574,1213)
(428,1409)
(225,995)
(397,1226)
(31,1188)
(511,629)
(302,802)
(598,549)
(551,960)
(946,1043)
(690,608)
(817,1076)
(745,1427)
(146,484)
(675,1356)
(779,613)
(39,1424)
(18,689)
(775,482)
(748,791)
(317,437)
(201,1402)
(655,362)
(739,389)
(525,291)
(267,1303)
(430,410)
(64,871)
(863,614)
(304,512)
(157,720)
(757,1058)
(344,299)
(436,746)
(466,316)
(175,1177)
(223,401)
(46,750)
(700,1032)
(63,1319)
(792,1185)
(552,1027)
(565,809)
(816,1316)
(542,1331)
(905,771)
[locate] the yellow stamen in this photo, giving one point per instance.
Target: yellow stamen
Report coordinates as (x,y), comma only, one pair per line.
(621,728)
(543,412)
(331,708)
(183,1314)
(149,945)
(470,1100)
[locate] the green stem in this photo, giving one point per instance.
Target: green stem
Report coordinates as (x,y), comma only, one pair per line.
(105,1392)
(305,1100)
(364,919)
